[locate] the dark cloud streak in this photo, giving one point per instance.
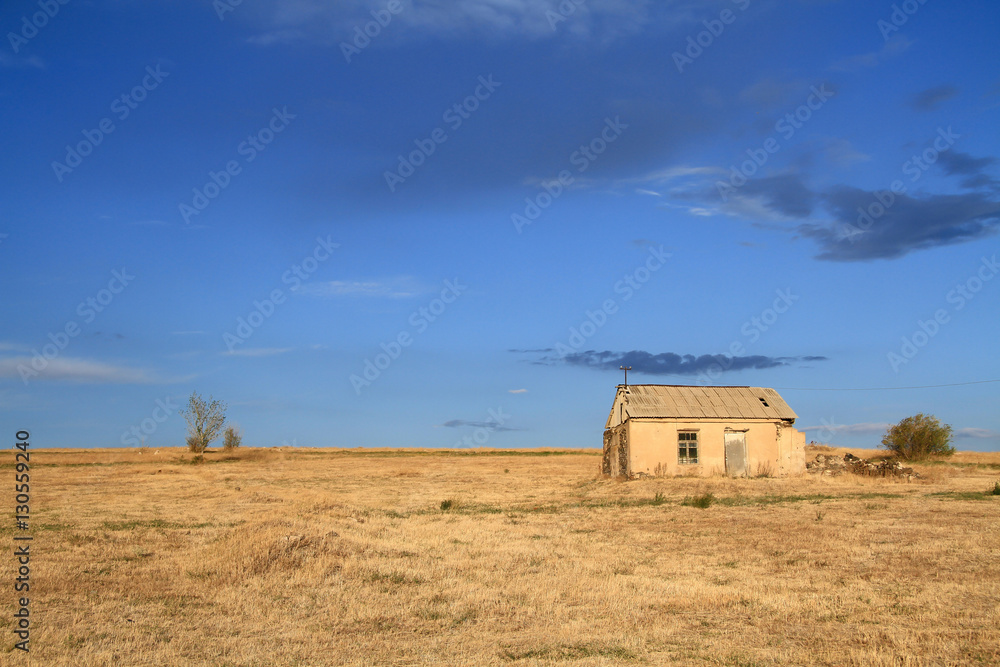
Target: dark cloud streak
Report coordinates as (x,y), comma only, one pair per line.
(928,100)
(669,363)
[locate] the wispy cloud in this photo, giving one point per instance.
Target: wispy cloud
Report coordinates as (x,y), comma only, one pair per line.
(970,432)
(868,428)
(517,391)
(666,175)
(490,425)
(8,61)
(257,351)
(71,369)
(329,23)
(892,48)
(928,100)
(394,288)
(971,169)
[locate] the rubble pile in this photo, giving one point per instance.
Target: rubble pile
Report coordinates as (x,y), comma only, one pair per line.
(833,465)
(826,465)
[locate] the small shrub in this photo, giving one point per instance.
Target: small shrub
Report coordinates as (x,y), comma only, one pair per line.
(702,502)
(996,489)
(764,469)
(819,515)
(194,444)
(659,498)
(448,504)
(232,437)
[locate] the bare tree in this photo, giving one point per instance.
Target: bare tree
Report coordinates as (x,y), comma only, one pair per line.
(232,436)
(205,420)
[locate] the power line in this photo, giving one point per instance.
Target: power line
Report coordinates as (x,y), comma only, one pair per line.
(925,386)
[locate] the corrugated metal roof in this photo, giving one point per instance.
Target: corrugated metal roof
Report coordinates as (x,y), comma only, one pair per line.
(677,401)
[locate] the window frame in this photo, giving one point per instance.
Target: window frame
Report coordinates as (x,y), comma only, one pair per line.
(685,445)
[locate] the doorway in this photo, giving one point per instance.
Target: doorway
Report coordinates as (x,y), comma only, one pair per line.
(736,453)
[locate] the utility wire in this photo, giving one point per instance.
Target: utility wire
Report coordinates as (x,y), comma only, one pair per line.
(925,386)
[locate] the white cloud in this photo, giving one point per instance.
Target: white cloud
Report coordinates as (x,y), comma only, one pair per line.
(867,428)
(667,174)
(969,432)
(329,22)
(842,153)
(394,288)
(73,370)
(517,391)
(258,351)
(11,62)
(893,47)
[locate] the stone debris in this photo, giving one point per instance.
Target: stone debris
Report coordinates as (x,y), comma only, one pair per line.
(832,465)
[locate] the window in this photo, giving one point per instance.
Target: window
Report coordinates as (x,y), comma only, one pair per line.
(687,447)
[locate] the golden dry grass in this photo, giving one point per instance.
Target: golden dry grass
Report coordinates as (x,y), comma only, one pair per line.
(320,557)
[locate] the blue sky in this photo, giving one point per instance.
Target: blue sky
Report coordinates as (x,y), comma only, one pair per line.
(455,228)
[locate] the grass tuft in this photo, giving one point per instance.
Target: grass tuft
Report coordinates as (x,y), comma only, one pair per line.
(703,501)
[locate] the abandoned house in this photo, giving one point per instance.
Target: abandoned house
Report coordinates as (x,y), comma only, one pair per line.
(680,430)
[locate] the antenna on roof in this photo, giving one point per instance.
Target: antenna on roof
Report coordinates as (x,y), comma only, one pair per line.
(626,369)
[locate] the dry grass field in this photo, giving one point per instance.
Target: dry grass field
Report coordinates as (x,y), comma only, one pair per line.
(334,557)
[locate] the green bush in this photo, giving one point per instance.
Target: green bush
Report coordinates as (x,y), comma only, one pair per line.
(996,489)
(447,504)
(701,502)
(918,437)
